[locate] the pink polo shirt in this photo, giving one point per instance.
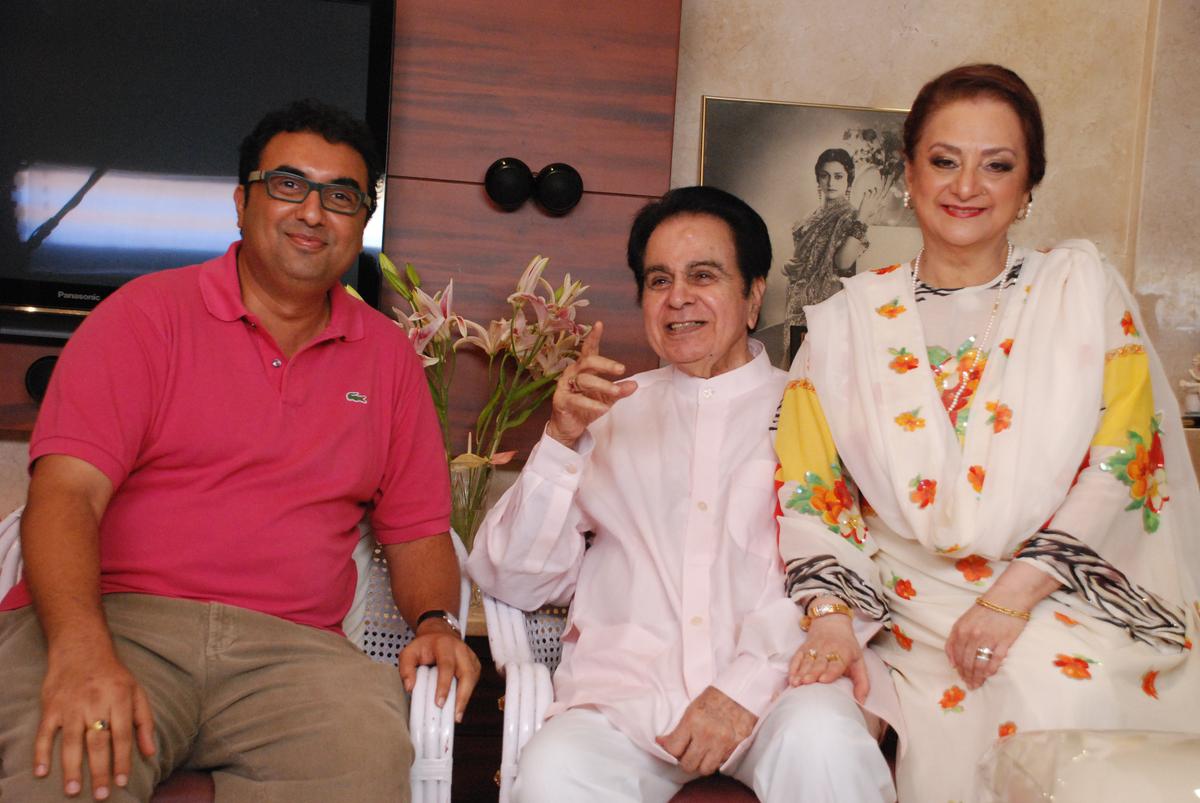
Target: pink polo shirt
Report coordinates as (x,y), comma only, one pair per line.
(240,475)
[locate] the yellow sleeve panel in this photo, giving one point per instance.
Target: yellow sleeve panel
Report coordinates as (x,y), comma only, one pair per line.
(803,441)
(1128,400)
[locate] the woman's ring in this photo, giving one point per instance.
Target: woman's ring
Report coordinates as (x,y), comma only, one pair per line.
(572,385)
(832,656)
(812,654)
(983,654)
(99,725)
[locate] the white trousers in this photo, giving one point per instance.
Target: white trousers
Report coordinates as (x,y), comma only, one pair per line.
(813,746)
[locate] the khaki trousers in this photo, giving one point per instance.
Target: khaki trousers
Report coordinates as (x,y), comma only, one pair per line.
(275,710)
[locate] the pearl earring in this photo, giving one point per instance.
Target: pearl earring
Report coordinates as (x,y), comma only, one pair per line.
(907,200)
(1027,209)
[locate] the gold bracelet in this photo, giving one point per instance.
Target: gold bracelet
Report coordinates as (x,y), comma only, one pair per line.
(991,606)
(824,609)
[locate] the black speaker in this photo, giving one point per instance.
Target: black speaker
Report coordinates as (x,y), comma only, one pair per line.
(508,182)
(558,188)
(37,376)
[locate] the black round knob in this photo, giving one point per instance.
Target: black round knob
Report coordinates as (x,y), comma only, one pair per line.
(508,182)
(558,188)
(37,377)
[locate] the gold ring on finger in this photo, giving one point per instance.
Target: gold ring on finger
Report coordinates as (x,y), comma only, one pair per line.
(812,654)
(832,656)
(99,725)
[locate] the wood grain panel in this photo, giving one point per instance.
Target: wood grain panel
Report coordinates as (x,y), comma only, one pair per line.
(587,83)
(17,410)
(450,231)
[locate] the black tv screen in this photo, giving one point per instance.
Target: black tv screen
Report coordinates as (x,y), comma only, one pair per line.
(122,120)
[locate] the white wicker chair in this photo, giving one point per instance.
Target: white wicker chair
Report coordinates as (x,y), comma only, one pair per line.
(377,628)
(526,648)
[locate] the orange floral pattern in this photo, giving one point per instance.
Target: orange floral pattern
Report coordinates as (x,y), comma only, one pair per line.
(903,360)
(911,420)
(801,384)
(924,491)
(834,504)
(1143,468)
(1001,416)
(975,476)
(1148,680)
(974,568)
(1007,729)
(1066,620)
(1074,666)
(1127,324)
(891,309)
(952,700)
(902,638)
(883,271)
(903,588)
(1006,346)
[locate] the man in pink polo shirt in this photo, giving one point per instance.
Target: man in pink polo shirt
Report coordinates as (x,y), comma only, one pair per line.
(210,440)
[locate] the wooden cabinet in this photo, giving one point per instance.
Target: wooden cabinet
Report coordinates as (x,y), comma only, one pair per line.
(589,84)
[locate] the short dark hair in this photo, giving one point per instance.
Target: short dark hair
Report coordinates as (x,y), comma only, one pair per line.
(841,157)
(981,80)
(336,125)
(751,242)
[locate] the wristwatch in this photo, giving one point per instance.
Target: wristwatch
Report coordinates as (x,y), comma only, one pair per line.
(438,613)
(824,609)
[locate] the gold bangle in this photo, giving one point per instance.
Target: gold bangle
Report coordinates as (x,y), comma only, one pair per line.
(991,606)
(824,609)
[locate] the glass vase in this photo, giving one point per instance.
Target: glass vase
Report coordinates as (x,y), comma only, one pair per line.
(468,498)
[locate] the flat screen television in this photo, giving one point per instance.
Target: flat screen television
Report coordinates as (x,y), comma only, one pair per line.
(122,120)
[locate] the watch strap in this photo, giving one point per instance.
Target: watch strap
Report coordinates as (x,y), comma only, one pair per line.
(445,616)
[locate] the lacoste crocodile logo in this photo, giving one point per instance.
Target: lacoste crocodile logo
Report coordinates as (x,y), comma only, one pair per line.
(355,396)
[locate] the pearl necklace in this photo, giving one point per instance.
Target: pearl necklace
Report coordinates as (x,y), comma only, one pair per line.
(963,375)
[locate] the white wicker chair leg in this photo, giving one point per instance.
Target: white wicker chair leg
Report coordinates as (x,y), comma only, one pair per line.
(527,724)
(512,721)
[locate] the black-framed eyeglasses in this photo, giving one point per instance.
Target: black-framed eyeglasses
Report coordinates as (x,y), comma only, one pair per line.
(341,199)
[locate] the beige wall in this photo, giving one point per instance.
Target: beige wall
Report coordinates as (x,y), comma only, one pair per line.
(13,479)
(1116,80)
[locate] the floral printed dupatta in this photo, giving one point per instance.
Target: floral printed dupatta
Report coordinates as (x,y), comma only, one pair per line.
(1036,410)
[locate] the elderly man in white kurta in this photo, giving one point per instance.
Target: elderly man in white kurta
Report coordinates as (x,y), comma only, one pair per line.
(677,645)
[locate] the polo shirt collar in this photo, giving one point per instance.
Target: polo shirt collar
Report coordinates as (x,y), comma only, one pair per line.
(222,294)
(733,383)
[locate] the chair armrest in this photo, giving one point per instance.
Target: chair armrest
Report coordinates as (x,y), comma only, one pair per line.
(432,731)
(528,692)
(507,636)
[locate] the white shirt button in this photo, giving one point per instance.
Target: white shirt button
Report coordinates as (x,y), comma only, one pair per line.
(275,363)
(571,469)
(702,505)
(697,620)
(707,393)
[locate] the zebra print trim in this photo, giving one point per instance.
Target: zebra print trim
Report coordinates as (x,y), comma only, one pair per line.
(822,574)
(925,291)
(1119,601)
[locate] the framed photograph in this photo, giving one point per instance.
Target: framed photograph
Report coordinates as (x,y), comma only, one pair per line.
(828,181)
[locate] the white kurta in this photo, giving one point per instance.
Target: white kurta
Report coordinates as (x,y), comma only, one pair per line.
(682,586)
